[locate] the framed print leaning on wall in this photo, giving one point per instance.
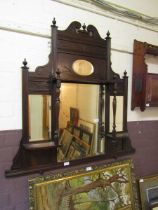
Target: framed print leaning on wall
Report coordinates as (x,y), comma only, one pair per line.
(103,187)
(149,192)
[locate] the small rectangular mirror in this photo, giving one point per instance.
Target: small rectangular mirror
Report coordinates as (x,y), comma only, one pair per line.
(39,117)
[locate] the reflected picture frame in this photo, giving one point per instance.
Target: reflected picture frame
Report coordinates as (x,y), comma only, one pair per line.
(86,137)
(86,125)
(86,186)
(64,142)
(76,131)
(76,150)
(148,188)
(74,116)
(90,127)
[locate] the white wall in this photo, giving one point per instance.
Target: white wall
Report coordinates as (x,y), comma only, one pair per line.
(35,17)
(143,6)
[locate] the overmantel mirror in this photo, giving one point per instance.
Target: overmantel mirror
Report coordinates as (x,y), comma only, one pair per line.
(75,107)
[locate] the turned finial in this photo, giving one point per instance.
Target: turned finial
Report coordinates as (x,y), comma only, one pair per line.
(84,27)
(25,62)
(108,34)
(54,22)
(125,73)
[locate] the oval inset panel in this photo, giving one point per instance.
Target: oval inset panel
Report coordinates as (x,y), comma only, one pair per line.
(83,67)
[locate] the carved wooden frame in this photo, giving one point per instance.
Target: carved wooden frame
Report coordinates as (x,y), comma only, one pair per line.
(67,46)
(144,84)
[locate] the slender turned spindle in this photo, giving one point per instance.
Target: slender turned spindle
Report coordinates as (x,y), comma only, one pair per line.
(108,56)
(58,85)
(114,106)
(25,101)
(101,111)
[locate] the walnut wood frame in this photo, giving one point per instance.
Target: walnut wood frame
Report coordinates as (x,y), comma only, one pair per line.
(76,42)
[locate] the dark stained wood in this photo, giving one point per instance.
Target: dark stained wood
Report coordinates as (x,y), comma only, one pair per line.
(152,90)
(38,145)
(25,119)
(141,82)
(125,101)
(76,42)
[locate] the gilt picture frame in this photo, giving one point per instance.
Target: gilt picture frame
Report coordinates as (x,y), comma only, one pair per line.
(107,187)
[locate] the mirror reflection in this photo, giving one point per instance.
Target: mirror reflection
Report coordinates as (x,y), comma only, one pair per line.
(82,67)
(39,117)
(78,121)
(119,113)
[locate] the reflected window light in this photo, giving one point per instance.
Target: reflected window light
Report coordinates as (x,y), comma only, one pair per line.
(82,67)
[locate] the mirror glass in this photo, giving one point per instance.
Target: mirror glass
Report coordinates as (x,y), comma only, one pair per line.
(78,121)
(82,67)
(119,113)
(152,63)
(39,117)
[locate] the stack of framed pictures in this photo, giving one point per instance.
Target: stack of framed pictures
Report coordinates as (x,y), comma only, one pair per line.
(75,143)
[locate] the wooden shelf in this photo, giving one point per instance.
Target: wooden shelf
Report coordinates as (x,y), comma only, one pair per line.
(41,145)
(144,84)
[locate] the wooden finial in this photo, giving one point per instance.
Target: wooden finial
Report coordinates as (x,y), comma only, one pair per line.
(108,34)
(125,73)
(84,26)
(25,62)
(54,22)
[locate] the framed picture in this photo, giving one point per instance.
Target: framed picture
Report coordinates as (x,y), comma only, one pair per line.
(69,127)
(70,155)
(77,131)
(89,127)
(86,137)
(149,192)
(76,150)
(64,141)
(86,126)
(74,116)
(101,187)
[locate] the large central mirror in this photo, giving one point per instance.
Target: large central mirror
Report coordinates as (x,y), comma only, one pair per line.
(79,121)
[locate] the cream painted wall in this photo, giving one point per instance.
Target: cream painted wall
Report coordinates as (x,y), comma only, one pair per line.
(144,6)
(34,18)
